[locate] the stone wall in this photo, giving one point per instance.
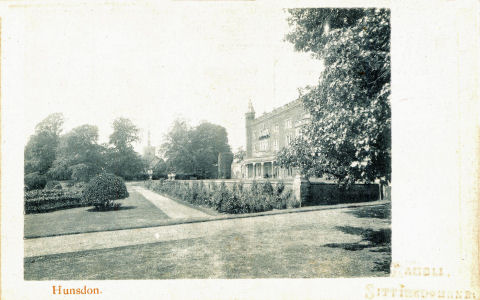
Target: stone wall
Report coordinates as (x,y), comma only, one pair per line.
(208,183)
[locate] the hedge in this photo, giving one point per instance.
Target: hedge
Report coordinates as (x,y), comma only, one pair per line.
(38,201)
(237,200)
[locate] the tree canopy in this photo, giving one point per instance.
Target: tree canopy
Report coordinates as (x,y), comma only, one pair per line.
(348,136)
(41,147)
(78,153)
(122,159)
(195,150)
(124,133)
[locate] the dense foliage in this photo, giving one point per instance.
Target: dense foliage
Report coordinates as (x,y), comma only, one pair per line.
(349,134)
(39,201)
(34,181)
(159,169)
(122,159)
(77,155)
(124,134)
(40,149)
(102,190)
(238,199)
(195,150)
(224,165)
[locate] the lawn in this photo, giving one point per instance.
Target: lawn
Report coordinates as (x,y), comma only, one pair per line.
(330,243)
(136,211)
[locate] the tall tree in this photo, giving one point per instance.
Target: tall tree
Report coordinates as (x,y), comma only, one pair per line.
(122,159)
(124,134)
(177,148)
(160,168)
(208,141)
(40,150)
(78,152)
(349,134)
(195,150)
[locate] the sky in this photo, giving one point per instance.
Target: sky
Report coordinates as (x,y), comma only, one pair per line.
(187,60)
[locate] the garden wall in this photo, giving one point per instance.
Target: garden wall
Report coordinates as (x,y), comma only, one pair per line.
(328,193)
(229,183)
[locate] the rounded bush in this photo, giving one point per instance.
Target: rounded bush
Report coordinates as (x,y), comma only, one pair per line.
(103,189)
(34,181)
(81,172)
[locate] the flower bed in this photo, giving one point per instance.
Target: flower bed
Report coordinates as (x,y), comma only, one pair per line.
(237,199)
(38,201)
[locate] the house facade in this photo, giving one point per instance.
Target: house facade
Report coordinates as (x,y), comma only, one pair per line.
(266,135)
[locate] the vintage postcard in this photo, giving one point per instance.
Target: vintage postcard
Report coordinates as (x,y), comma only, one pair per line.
(240,149)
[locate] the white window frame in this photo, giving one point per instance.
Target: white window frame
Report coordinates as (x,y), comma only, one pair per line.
(288,124)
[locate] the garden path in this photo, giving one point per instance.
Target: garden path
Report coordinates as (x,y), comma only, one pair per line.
(319,224)
(171,208)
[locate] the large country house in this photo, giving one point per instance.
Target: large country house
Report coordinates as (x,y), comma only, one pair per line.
(266,135)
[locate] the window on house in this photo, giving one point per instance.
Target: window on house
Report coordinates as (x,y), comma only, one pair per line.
(288,140)
(288,123)
(264,145)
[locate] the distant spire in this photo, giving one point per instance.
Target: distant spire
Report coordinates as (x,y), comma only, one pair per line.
(250,106)
(149,138)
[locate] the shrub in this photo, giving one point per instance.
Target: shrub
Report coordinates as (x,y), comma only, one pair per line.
(203,194)
(53,185)
(220,195)
(142,176)
(34,181)
(292,202)
(81,172)
(103,189)
(238,199)
(38,201)
(156,176)
(60,171)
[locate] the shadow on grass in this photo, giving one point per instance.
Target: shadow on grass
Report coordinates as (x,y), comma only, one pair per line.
(370,238)
(379,240)
(378,212)
(95,209)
